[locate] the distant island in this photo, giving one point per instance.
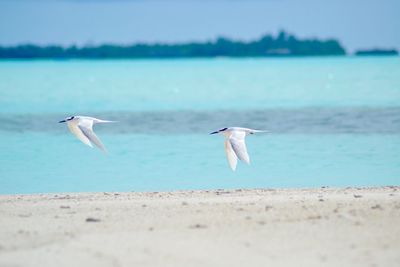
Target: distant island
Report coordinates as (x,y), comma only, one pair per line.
(377,52)
(283,44)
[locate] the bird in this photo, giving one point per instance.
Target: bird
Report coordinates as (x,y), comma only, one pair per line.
(235,146)
(82,128)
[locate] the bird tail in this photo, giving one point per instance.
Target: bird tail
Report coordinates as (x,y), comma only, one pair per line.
(101,121)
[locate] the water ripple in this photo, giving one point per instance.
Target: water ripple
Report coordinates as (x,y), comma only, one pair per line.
(296,121)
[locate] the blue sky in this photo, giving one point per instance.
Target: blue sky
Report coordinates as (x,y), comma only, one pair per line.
(356,23)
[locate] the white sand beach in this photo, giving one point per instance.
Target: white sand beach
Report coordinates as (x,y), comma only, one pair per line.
(262,227)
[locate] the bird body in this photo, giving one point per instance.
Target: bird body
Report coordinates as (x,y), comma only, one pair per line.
(235,146)
(82,128)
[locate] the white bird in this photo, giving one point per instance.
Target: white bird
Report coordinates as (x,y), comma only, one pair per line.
(235,146)
(82,128)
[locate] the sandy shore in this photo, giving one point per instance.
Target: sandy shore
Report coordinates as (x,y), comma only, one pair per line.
(310,227)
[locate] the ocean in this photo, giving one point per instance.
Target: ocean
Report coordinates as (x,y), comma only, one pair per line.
(333,121)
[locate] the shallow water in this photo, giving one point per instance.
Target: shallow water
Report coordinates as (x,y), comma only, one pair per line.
(333,122)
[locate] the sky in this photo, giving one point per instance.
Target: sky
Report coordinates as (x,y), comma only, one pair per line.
(357,24)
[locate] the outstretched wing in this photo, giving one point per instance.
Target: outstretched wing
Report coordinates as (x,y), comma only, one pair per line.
(86,126)
(230,154)
(239,146)
(73,127)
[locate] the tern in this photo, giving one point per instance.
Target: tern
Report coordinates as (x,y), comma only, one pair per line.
(82,128)
(235,146)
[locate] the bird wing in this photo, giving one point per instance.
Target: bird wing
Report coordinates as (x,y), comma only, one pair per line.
(230,154)
(86,126)
(239,146)
(73,127)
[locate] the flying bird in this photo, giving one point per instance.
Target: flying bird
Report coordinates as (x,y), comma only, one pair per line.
(82,128)
(235,146)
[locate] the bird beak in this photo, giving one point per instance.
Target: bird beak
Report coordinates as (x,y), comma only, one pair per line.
(62,121)
(215,132)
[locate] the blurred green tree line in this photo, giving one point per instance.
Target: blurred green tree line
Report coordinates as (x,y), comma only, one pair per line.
(283,44)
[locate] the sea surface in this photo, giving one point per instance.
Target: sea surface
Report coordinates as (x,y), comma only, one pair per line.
(333,121)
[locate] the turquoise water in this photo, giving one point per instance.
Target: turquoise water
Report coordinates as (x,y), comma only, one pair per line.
(334,122)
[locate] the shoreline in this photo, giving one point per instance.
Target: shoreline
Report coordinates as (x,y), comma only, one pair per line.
(77,59)
(186,192)
(242,227)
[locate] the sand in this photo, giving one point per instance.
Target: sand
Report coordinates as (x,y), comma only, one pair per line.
(263,227)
